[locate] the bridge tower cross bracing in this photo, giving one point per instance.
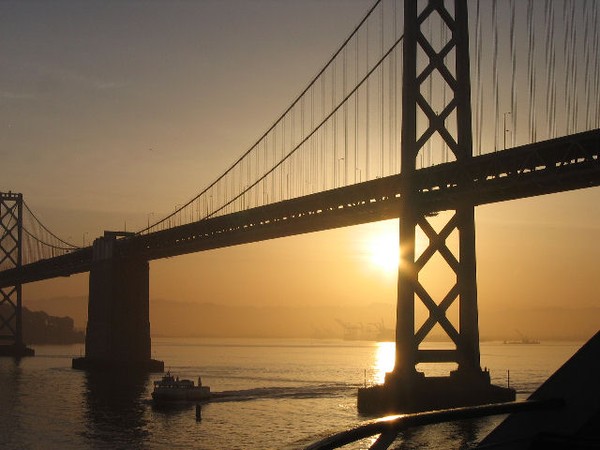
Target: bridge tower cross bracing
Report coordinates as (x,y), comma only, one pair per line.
(11,256)
(426,122)
(458,140)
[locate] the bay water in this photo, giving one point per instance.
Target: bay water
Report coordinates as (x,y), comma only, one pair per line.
(271,394)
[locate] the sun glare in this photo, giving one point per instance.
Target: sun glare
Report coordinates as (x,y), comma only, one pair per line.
(382,246)
(384,251)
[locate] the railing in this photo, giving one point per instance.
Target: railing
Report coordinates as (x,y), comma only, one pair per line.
(388,428)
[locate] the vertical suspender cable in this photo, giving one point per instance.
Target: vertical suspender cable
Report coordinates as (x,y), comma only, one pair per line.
(345,81)
(441,93)
(393,117)
(381,98)
(284,188)
(513,84)
(356,109)
(264,161)
(495,74)
(303,166)
(426,152)
(586,57)
(282,167)
(390,95)
(479,84)
(554,129)
(314,142)
(549,44)
(573,84)
(531,71)
(567,62)
(334,124)
(274,158)
(367,149)
(596,53)
(323,136)
(575,68)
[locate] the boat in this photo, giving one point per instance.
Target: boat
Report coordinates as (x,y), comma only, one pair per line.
(171,389)
(524,340)
(369,332)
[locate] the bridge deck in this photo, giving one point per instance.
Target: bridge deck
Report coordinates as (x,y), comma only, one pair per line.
(557,165)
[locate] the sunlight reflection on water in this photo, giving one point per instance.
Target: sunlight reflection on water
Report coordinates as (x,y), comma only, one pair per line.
(385,354)
(384,361)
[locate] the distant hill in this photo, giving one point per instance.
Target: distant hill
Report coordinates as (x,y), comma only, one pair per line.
(74,307)
(42,328)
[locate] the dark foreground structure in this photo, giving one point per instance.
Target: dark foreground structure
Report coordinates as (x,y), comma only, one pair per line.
(16,351)
(574,426)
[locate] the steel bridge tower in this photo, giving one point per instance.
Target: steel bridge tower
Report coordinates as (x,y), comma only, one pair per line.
(405,388)
(11,256)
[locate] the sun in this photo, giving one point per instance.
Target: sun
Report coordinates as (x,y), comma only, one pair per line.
(383,249)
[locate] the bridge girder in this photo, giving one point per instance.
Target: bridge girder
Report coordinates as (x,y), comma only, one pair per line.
(557,165)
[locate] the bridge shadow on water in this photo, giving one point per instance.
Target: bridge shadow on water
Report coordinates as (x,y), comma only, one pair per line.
(114,408)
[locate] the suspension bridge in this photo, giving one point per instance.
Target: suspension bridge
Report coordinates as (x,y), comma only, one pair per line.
(427,106)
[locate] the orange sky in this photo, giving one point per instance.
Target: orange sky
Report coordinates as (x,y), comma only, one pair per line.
(112,114)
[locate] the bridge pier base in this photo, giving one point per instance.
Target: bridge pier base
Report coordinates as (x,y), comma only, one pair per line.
(416,393)
(16,351)
(118,328)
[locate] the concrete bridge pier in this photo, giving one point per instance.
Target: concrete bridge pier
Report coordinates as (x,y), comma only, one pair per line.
(405,392)
(118,328)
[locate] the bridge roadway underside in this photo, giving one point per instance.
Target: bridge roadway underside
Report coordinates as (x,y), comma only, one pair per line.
(562,164)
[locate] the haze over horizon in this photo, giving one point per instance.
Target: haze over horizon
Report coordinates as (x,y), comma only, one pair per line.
(114,113)
(172,318)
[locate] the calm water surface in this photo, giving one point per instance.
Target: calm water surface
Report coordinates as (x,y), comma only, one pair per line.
(277,394)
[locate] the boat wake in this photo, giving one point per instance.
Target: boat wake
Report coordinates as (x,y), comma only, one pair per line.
(300,392)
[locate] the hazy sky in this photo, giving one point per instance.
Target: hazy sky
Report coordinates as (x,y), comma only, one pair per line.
(112,113)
